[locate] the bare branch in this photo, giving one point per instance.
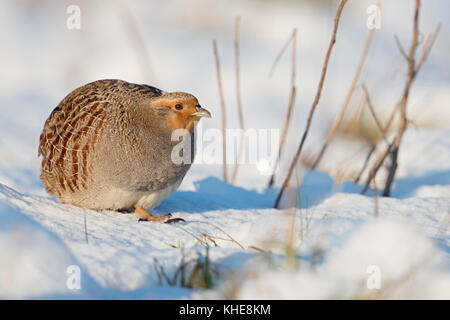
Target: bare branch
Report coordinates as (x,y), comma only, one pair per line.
(314,105)
(238,96)
(377,167)
(85,229)
(366,162)
(400,47)
(348,97)
(283,49)
(372,111)
(412,72)
(372,149)
(427,46)
(289,109)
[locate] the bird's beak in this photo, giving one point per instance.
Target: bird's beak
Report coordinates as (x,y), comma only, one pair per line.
(202,113)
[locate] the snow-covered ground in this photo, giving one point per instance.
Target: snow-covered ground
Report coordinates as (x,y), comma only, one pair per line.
(340,244)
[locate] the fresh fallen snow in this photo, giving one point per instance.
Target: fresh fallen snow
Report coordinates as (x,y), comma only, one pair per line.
(408,263)
(337,238)
(118,258)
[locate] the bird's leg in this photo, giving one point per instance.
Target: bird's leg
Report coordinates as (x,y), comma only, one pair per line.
(147,216)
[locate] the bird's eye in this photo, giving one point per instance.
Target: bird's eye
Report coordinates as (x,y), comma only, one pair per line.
(178,106)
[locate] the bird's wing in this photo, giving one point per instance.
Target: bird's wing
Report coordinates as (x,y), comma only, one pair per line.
(73,128)
(84,106)
(66,141)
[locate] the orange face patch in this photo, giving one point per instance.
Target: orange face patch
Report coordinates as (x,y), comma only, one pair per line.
(181,116)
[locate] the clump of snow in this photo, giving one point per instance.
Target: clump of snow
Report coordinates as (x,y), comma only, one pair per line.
(35,262)
(391,251)
(120,252)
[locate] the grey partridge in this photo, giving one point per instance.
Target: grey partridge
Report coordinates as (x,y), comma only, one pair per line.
(108,146)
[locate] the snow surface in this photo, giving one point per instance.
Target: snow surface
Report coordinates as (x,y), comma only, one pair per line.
(116,253)
(338,237)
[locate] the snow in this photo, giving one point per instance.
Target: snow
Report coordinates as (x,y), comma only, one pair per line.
(341,239)
(391,246)
(119,253)
(33,261)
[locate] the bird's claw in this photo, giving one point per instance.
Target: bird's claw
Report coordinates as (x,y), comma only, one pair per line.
(175,220)
(167,217)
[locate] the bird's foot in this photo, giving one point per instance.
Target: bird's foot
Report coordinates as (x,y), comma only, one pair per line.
(175,220)
(144,215)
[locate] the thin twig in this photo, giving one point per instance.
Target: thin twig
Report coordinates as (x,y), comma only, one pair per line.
(377,140)
(348,97)
(224,232)
(257,249)
(400,47)
(222,106)
(413,69)
(377,167)
(280,54)
(314,105)
(380,158)
(238,96)
(372,111)
(218,228)
(85,229)
(429,42)
(412,72)
(366,162)
(375,200)
(291,103)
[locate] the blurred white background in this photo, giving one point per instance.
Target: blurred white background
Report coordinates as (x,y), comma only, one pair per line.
(41,61)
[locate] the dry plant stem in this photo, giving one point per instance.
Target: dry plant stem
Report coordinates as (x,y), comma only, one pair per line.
(376,167)
(400,47)
(372,149)
(283,135)
(283,49)
(257,249)
(221,230)
(139,45)
(226,233)
(85,229)
(291,257)
(381,157)
(375,200)
(291,103)
(348,97)
(366,162)
(222,106)
(412,71)
(372,111)
(239,103)
(313,107)
(429,42)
